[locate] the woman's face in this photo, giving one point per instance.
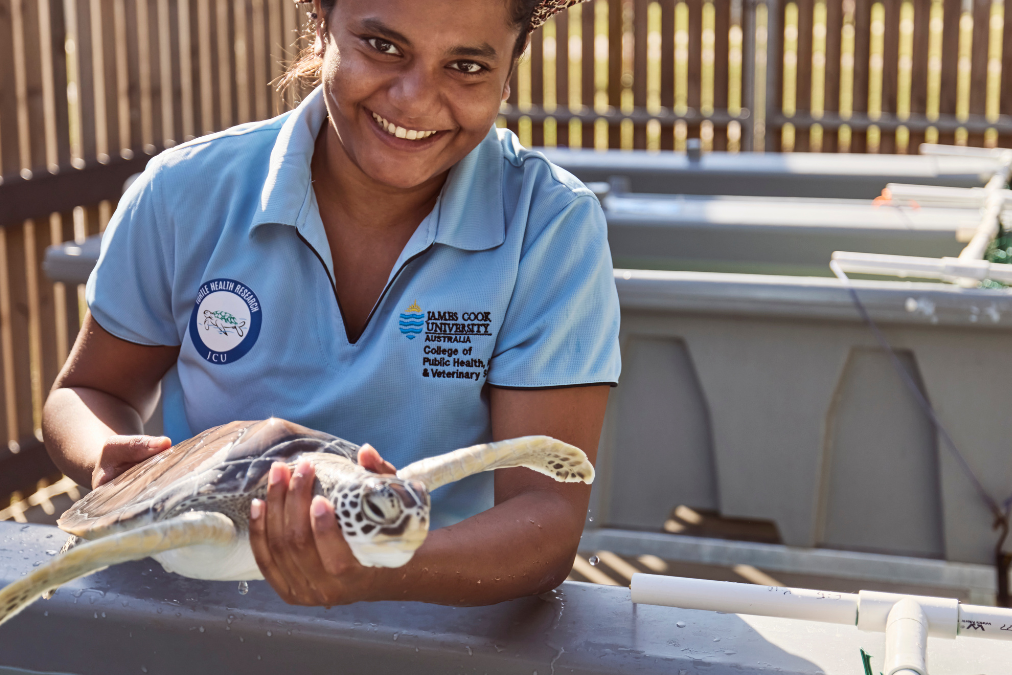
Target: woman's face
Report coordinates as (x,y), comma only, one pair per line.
(412,86)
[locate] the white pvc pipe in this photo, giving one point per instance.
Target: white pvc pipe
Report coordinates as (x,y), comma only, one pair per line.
(906,641)
(725,596)
(868,610)
(929,268)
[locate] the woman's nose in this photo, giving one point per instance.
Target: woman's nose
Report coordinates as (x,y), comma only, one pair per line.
(415,93)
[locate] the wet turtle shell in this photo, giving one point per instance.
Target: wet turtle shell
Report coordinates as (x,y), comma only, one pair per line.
(222,469)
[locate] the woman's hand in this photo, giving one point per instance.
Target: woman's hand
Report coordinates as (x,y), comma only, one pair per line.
(119,453)
(298,543)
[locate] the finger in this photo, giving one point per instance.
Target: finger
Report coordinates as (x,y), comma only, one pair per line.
(370,459)
(258,541)
(333,549)
(136,448)
(301,546)
(119,453)
(277,488)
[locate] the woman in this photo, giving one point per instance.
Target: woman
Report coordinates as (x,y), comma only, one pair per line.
(381,264)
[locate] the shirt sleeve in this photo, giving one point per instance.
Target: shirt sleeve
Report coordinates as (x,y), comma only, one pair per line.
(129,292)
(561,327)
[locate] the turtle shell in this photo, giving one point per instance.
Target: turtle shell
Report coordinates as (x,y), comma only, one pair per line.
(226,461)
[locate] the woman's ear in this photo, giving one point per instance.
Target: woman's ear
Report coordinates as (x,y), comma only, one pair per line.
(321,25)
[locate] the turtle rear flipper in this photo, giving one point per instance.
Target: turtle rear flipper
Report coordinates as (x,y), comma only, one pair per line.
(561,461)
(186,530)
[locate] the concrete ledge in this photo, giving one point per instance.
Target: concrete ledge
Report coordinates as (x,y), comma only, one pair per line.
(813,298)
(979,579)
(136,618)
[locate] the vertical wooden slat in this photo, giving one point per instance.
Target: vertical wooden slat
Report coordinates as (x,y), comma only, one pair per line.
(106,91)
(587,86)
(803,90)
(640,69)
(614,67)
(135,133)
(722,28)
(862,40)
(67,322)
(33,88)
(174,74)
(537,57)
(277,49)
(562,76)
(187,86)
(695,54)
(667,68)
(208,101)
(241,51)
(261,49)
(20,340)
(60,121)
(950,56)
(978,76)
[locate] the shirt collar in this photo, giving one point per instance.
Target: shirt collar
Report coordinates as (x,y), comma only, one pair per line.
(469,213)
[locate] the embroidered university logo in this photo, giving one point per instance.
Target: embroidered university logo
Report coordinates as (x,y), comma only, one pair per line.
(225,322)
(412,321)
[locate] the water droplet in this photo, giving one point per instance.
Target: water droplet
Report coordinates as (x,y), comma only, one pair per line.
(231,617)
(243,588)
(240,639)
(201,629)
(51,552)
(680,624)
(395,636)
(159,610)
(96,615)
(45,614)
(103,615)
(258,657)
(36,563)
(469,652)
(268,633)
(593,560)
(143,669)
(591,519)
(498,648)
(289,632)
(716,639)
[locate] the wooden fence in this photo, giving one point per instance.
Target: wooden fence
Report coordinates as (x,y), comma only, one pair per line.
(90,89)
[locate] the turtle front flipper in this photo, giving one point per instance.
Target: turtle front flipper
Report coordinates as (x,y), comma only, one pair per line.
(561,461)
(188,529)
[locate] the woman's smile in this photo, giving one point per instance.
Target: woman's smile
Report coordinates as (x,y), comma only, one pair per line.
(404,138)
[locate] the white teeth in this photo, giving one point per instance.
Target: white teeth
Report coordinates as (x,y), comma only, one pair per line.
(401,132)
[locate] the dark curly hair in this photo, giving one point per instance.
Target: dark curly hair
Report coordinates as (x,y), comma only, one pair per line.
(306,68)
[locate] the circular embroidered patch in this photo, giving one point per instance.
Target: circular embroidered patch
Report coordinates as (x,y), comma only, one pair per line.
(225,322)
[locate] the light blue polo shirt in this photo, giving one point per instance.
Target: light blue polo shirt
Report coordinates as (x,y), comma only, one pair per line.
(219,248)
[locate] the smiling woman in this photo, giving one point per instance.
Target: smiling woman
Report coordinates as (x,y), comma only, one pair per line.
(381,264)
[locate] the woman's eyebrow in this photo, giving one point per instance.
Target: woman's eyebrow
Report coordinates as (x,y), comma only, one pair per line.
(483,51)
(377,26)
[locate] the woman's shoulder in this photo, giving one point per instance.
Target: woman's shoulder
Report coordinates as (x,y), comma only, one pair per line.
(218,157)
(532,167)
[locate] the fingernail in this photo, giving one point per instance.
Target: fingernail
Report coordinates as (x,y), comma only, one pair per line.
(275,475)
(319,508)
(256,509)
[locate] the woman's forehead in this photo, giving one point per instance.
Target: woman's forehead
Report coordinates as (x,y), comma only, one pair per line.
(475,28)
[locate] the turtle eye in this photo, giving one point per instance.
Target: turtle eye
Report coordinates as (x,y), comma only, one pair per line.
(381,504)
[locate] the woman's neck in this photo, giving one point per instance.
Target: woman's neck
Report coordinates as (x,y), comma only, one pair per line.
(350,198)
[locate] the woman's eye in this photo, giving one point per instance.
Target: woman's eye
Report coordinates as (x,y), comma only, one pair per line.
(468,67)
(383,46)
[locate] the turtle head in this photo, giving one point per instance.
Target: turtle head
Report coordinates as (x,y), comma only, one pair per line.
(384,518)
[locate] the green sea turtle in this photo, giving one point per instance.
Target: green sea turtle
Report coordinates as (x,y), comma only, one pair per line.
(188,507)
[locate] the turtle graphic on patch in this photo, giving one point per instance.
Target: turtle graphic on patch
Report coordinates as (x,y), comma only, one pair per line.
(223,322)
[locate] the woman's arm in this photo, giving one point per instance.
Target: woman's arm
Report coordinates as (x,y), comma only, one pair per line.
(522,546)
(93,419)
